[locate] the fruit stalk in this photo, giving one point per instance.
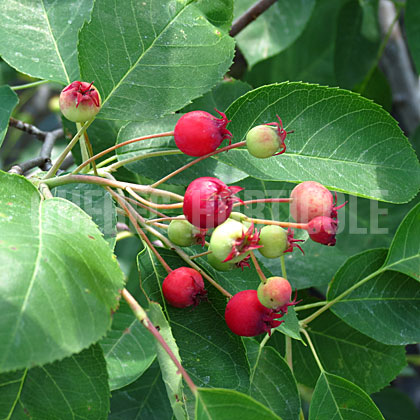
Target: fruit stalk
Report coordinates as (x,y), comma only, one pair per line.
(144,319)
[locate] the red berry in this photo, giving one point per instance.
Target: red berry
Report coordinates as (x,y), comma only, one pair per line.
(183,287)
(208,202)
(198,133)
(80,101)
(245,316)
(323,229)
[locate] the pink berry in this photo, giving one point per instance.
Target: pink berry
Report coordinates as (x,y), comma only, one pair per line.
(183,287)
(275,294)
(198,133)
(323,229)
(245,316)
(208,202)
(80,101)
(309,200)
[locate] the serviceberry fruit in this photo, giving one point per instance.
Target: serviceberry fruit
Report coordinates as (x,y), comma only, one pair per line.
(323,229)
(208,202)
(276,241)
(275,294)
(183,287)
(80,101)
(232,241)
(311,199)
(218,264)
(198,133)
(263,141)
(247,317)
(183,233)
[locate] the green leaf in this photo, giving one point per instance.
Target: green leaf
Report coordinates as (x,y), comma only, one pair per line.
(225,404)
(341,140)
(155,58)
(59,280)
(316,64)
(274,30)
(290,326)
(386,307)
(272,383)
(412,30)
(170,375)
(143,399)
(75,387)
(201,334)
(220,97)
(352,45)
(395,405)
(404,253)
(157,167)
(42,36)
(347,353)
(96,202)
(335,397)
(8,101)
(129,349)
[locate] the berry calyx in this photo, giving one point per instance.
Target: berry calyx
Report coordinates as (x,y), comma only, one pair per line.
(275,294)
(80,101)
(183,233)
(323,229)
(208,202)
(198,133)
(232,241)
(247,317)
(183,287)
(311,199)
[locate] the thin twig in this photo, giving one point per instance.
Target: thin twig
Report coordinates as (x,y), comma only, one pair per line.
(28,128)
(193,162)
(144,319)
(250,15)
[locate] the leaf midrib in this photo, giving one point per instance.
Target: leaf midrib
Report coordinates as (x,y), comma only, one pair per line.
(175,17)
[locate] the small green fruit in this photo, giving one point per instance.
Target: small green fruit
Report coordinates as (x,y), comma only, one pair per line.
(182,233)
(273,240)
(218,264)
(263,141)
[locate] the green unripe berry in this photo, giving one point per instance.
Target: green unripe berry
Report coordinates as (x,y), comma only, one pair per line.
(219,265)
(263,141)
(224,237)
(182,233)
(273,240)
(275,293)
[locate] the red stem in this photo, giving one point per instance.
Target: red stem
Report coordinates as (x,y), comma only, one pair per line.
(258,268)
(129,209)
(188,165)
(264,200)
(275,222)
(117,146)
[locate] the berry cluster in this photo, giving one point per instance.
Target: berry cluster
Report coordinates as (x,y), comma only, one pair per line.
(233,236)
(207,209)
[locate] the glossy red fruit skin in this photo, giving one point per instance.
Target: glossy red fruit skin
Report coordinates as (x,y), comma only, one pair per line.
(245,316)
(80,101)
(310,199)
(183,287)
(208,202)
(323,229)
(198,133)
